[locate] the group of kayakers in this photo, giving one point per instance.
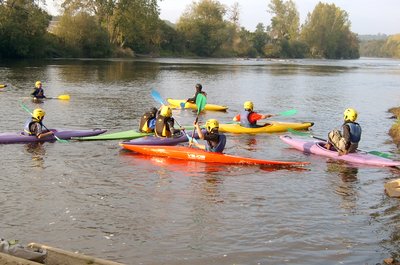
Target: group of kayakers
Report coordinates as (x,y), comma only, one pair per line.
(162,124)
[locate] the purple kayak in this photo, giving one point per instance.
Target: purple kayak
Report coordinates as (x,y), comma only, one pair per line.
(154,140)
(317,147)
(66,134)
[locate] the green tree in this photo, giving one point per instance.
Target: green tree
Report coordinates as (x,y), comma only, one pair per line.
(260,38)
(392,46)
(23,27)
(82,36)
(327,33)
(204,28)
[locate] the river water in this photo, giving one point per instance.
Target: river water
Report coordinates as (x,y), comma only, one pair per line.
(94,198)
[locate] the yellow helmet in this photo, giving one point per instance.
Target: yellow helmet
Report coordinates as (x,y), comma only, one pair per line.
(248,105)
(166,111)
(350,115)
(212,124)
(38,84)
(38,114)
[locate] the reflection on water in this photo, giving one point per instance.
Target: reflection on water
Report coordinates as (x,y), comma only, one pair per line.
(37,152)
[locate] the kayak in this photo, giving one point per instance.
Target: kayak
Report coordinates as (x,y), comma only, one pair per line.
(176,103)
(194,154)
(66,134)
(3,86)
(154,140)
(270,127)
(317,147)
(124,135)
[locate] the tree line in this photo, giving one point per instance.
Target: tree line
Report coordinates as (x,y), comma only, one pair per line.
(207,28)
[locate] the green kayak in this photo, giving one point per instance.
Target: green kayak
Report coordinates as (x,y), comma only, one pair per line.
(124,135)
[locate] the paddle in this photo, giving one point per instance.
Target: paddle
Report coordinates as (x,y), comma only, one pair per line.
(157,97)
(376,153)
(286,113)
(201,102)
(28,110)
(62,97)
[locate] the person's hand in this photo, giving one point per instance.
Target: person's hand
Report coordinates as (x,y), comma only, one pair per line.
(234,119)
(268,116)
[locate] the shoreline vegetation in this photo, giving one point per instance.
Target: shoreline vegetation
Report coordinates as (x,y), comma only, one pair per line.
(206,29)
(394,131)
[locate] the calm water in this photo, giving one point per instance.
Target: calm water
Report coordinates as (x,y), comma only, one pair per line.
(94,198)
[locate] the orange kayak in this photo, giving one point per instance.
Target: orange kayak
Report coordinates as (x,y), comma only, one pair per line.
(194,154)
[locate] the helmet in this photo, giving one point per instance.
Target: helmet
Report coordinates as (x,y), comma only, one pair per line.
(199,87)
(350,115)
(166,111)
(38,84)
(248,105)
(38,114)
(211,124)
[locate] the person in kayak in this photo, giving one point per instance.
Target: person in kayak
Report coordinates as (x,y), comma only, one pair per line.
(347,141)
(148,121)
(34,126)
(165,123)
(199,90)
(215,141)
(248,118)
(38,92)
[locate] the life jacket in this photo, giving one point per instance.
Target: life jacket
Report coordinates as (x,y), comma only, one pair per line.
(162,128)
(219,147)
(38,93)
(244,120)
(146,122)
(355,132)
(27,126)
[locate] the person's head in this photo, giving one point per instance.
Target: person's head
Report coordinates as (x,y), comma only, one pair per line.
(199,87)
(38,114)
(350,115)
(166,111)
(38,84)
(248,105)
(153,111)
(212,125)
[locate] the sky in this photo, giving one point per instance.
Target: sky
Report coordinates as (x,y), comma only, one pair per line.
(366,16)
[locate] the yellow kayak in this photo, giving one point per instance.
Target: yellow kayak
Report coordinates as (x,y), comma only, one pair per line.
(2,86)
(176,103)
(270,127)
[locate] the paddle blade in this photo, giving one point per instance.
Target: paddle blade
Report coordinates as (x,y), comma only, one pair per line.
(201,102)
(64,97)
(287,113)
(377,153)
(298,132)
(157,97)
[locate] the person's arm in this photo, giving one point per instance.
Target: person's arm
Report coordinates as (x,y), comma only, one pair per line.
(171,126)
(346,136)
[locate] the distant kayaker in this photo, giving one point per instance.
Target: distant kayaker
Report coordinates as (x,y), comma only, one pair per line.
(199,90)
(34,126)
(215,141)
(347,141)
(248,118)
(165,123)
(38,91)
(148,121)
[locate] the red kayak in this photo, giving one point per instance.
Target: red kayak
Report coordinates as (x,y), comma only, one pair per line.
(194,154)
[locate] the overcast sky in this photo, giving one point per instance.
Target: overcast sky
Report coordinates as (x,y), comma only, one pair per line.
(366,16)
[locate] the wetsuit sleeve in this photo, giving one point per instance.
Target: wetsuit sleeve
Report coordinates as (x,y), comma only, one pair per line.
(170,123)
(254,116)
(193,99)
(346,135)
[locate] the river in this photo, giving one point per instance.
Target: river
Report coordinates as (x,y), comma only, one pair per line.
(94,198)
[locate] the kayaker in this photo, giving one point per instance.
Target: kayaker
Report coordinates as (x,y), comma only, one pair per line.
(165,123)
(347,141)
(38,91)
(148,121)
(34,126)
(215,141)
(199,90)
(248,118)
